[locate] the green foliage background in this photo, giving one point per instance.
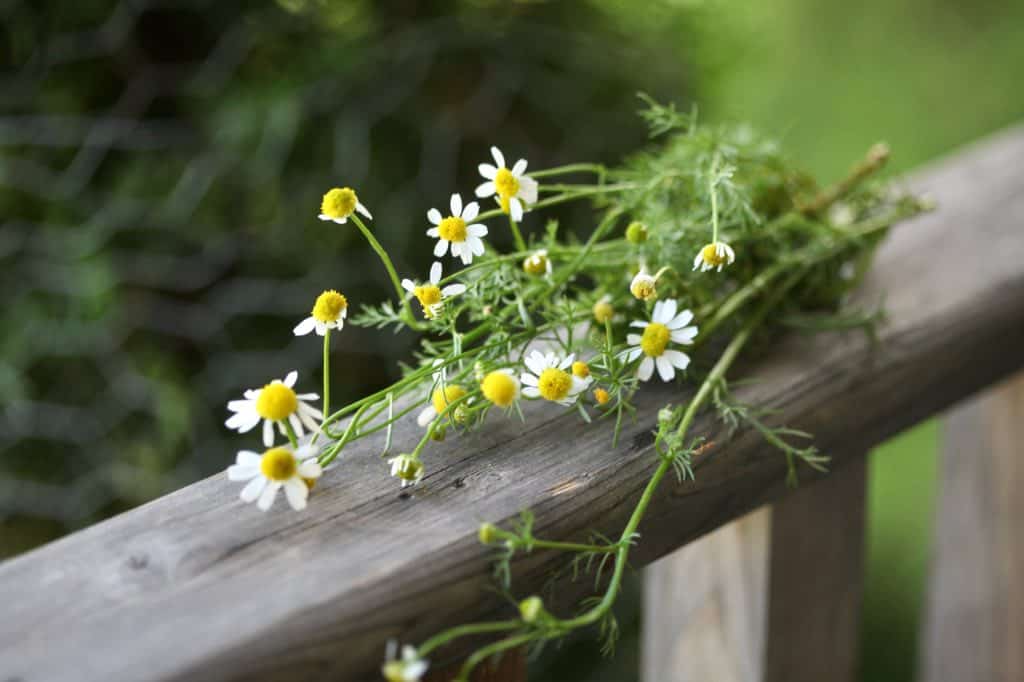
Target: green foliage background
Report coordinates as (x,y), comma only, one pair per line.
(144,284)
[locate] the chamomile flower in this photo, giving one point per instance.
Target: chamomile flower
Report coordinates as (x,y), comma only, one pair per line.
(644,286)
(458,230)
(440,399)
(328,312)
(665,326)
(406,467)
(500,387)
(277,468)
(410,668)
(714,255)
(339,204)
(274,404)
(551,378)
(431,296)
(537,263)
(513,189)
(603,309)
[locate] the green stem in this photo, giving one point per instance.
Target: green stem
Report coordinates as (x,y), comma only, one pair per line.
(389,266)
(443,638)
(516,234)
(291,433)
(327,373)
(594,168)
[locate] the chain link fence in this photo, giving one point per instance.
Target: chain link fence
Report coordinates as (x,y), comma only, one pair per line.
(161,165)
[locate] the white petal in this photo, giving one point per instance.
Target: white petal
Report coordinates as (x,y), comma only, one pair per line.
(535,362)
(362,209)
(456,205)
(435,272)
(453,290)
(434,216)
(487,170)
(528,379)
(269,493)
(680,360)
(467,253)
(477,230)
(309,409)
(239,405)
(485,189)
(242,472)
(296,492)
(633,353)
(471,211)
(569,359)
(310,469)
(289,380)
(426,416)
(527,189)
(296,423)
(268,433)
(516,209)
(242,421)
(305,327)
(308,420)
(668,311)
(646,369)
(665,368)
(633,339)
(434,232)
(519,168)
(476,246)
(440,248)
(408,285)
(320,327)
(680,320)
(253,489)
(684,336)
(531,392)
(247,458)
(642,324)
(499,158)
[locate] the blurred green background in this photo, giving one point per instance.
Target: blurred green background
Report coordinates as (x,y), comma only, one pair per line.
(161,164)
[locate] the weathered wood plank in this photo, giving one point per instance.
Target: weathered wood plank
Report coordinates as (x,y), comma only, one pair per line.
(772,597)
(974,622)
(196,586)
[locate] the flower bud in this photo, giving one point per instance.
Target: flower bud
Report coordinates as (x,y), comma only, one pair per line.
(644,286)
(537,263)
(636,233)
(601,396)
(531,609)
(488,533)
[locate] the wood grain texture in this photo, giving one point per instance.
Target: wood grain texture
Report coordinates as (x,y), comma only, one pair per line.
(816,580)
(705,606)
(197,586)
(772,597)
(974,617)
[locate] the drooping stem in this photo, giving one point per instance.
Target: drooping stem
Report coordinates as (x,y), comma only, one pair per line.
(392,273)
(516,234)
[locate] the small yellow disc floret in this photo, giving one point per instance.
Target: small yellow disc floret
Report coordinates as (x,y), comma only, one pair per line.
(442,398)
(278,464)
(429,296)
(580,369)
(339,203)
(452,229)
(601,396)
(554,384)
(505,184)
(329,306)
(276,402)
(499,388)
(644,287)
(710,254)
(603,311)
(655,339)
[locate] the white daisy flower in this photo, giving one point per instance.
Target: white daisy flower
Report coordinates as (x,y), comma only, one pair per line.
(714,255)
(339,204)
(514,190)
(431,296)
(458,229)
(644,285)
(410,668)
(548,378)
(329,312)
(440,398)
(274,403)
(408,468)
(295,471)
(665,326)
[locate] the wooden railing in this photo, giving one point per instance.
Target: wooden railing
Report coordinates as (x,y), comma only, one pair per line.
(196,586)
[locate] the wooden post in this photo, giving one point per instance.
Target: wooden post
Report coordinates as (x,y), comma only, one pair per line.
(974,614)
(511,667)
(774,596)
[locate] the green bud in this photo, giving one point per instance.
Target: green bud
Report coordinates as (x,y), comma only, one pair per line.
(439,432)
(531,609)
(488,533)
(636,233)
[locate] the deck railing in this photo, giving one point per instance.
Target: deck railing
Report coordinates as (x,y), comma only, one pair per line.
(196,586)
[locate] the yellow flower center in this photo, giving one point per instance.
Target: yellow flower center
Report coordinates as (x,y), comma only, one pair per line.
(499,388)
(394,671)
(581,369)
(276,401)
(603,311)
(452,229)
(554,384)
(441,399)
(340,202)
(428,295)
(278,464)
(601,396)
(409,468)
(329,306)
(709,254)
(655,339)
(506,184)
(644,288)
